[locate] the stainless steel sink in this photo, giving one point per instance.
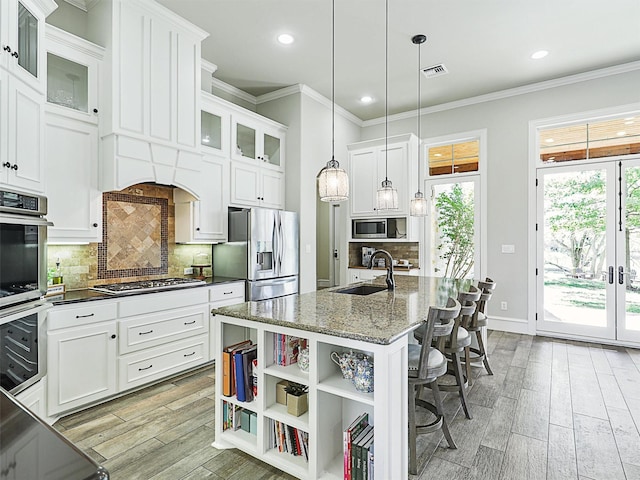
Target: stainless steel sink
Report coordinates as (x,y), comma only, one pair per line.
(361,290)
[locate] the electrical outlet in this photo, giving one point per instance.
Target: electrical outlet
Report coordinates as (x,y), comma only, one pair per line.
(188,271)
(503,305)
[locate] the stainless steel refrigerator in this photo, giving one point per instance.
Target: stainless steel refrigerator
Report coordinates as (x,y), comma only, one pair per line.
(263,249)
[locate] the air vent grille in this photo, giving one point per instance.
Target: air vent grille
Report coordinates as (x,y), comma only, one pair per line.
(435,71)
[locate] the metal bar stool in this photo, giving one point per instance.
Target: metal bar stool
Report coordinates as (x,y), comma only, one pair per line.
(426,364)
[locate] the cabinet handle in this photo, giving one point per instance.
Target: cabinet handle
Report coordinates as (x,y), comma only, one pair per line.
(145,333)
(227,293)
(189,354)
(146,368)
(190,323)
(6,164)
(14,54)
(95,110)
(7,48)
(14,167)
(113,336)
(85,316)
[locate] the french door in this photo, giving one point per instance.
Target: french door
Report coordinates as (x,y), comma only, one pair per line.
(588,250)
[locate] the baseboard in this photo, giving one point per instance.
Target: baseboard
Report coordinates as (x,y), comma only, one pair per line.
(323,283)
(511,325)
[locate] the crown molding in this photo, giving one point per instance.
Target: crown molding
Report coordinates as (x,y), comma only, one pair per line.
(208,66)
(311,93)
(79,44)
(84,5)
(512,92)
(231,90)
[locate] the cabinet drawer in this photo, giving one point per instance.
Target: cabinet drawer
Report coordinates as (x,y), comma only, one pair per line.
(98,311)
(157,302)
(136,333)
(152,364)
(227,291)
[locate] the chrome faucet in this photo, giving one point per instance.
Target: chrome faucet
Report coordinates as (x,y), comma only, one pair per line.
(391,284)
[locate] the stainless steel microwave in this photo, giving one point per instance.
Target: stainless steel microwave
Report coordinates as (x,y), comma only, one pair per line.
(374,228)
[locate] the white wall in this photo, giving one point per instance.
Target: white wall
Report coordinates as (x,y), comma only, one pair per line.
(507,123)
(308,151)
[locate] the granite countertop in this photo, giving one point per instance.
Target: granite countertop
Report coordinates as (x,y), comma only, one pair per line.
(380,318)
(88,295)
(401,268)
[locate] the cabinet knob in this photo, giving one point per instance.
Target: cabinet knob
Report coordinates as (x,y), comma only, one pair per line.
(197,229)
(6,164)
(14,167)
(113,336)
(7,48)
(14,54)
(95,225)
(95,110)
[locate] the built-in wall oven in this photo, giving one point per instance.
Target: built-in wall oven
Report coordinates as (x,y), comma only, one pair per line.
(23,282)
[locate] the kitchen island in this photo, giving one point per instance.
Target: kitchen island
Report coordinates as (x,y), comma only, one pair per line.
(376,324)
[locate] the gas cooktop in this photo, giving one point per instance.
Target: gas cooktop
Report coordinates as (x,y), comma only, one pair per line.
(147,285)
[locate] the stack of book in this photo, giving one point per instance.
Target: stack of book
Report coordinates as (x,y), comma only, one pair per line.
(239,362)
(288,439)
(286,348)
(358,449)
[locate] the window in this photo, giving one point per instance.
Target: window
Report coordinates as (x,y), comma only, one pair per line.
(454,158)
(597,139)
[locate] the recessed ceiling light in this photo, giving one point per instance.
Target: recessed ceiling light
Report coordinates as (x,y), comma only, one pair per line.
(621,134)
(285,39)
(366,99)
(549,140)
(629,122)
(539,54)
(437,154)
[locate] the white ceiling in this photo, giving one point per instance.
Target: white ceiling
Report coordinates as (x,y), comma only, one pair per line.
(485,45)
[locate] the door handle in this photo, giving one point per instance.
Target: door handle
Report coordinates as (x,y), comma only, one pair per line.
(335,253)
(621,275)
(611,274)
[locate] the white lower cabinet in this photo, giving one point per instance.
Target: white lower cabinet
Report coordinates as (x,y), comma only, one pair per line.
(102,348)
(81,365)
(34,398)
(361,274)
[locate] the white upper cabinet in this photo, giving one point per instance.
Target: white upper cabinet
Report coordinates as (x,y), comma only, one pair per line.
(73,69)
(257,140)
(22,37)
(215,123)
(151,91)
(255,186)
(370,162)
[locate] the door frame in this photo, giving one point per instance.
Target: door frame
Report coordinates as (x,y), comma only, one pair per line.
(534,164)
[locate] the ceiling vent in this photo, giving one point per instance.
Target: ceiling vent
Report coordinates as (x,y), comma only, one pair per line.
(435,71)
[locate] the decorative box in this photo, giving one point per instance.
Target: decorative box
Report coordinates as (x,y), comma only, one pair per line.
(297,405)
(245,420)
(281,394)
(56,289)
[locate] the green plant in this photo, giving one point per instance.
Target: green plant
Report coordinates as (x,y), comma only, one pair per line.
(296,389)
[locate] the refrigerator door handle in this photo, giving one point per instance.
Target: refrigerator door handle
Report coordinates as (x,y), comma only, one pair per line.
(280,244)
(275,244)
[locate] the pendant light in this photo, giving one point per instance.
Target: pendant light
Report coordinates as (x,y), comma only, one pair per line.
(333,182)
(418,206)
(387,196)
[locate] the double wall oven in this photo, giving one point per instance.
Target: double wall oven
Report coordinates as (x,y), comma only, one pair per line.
(23,282)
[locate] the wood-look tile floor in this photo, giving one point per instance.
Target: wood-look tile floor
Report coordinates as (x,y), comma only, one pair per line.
(554,410)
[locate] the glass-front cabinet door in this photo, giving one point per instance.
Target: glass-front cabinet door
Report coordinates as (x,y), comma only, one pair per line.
(214,126)
(256,141)
(271,151)
(245,141)
(72,75)
(27,40)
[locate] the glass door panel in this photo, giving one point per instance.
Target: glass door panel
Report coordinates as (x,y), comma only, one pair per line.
(627,266)
(211,130)
(576,252)
(27,40)
(245,141)
(67,83)
(452,233)
(271,150)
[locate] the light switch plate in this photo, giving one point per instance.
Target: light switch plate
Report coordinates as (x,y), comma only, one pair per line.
(508,249)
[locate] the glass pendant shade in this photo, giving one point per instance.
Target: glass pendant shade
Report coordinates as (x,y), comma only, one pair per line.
(333,183)
(387,196)
(418,206)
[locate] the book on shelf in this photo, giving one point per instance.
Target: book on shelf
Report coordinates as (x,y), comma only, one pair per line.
(363,455)
(348,435)
(288,439)
(370,472)
(231,416)
(286,348)
(228,372)
(356,457)
(243,360)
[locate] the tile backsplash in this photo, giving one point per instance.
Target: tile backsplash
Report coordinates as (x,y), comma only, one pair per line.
(398,250)
(139,242)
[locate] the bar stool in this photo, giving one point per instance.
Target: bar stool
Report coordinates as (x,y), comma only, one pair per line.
(426,364)
(477,321)
(454,345)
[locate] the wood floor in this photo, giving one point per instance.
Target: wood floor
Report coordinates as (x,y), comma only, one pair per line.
(553,410)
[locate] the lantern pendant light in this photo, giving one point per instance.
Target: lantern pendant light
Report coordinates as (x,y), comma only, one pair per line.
(333,182)
(387,196)
(418,206)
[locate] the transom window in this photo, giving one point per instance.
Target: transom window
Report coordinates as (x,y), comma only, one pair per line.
(454,158)
(598,139)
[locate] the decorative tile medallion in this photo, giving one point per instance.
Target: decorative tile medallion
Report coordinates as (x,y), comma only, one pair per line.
(135,236)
